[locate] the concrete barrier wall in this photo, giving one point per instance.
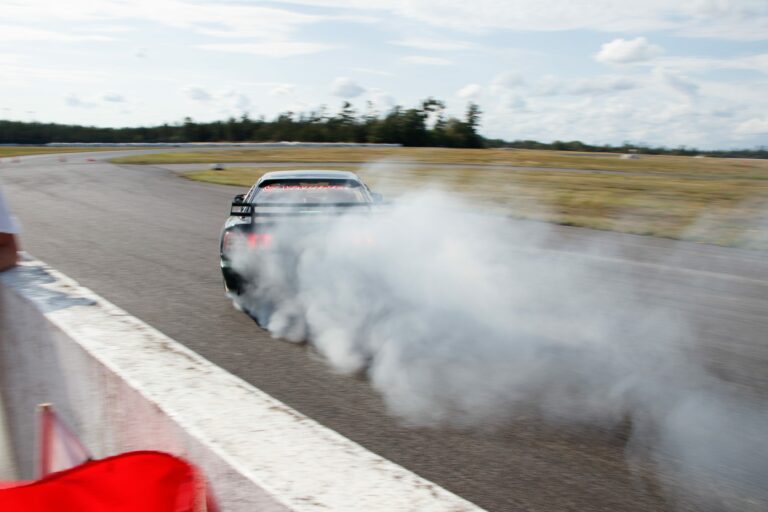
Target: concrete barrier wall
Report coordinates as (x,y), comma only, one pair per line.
(122,385)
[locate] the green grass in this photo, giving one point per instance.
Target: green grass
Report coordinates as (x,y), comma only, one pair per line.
(13,151)
(728,207)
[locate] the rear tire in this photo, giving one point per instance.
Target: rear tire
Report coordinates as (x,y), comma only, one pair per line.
(234,284)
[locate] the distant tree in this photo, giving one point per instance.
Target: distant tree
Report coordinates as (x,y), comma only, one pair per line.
(347,115)
(472,121)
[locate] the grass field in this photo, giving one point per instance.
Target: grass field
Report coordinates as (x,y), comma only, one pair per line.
(12,151)
(521,158)
(720,201)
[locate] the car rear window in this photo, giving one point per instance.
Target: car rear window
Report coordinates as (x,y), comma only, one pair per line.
(310,191)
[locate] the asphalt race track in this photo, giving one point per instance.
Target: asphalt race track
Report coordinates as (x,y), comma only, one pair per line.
(148,241)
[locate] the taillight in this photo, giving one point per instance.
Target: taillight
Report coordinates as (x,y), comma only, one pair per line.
(259,240)
(229,241)
(234,240)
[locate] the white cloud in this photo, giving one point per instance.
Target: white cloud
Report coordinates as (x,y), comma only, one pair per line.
(627,51)
(513,103)
(109,29)
(197,93)
(346,88)
(381,100)
(601,85)
(76,101)
(434,44)
(714,114)
(283,90)
(754,126)
(12,74)
(113,97)
(206,17)
(72,100)
(238,102)
(222,103)
(270,49)
(469,91)
(508,80)
(29,34)
(594,86)
(428,61)
(728,19)
(757,63)
(677,82)
(374,71)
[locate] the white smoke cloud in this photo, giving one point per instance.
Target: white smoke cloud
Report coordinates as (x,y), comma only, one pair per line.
(464,319)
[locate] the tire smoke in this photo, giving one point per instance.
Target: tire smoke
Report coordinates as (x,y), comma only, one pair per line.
(466,320)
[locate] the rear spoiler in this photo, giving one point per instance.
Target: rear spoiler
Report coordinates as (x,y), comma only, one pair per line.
(289,209)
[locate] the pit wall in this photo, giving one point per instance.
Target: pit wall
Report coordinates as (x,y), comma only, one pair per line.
(122,385)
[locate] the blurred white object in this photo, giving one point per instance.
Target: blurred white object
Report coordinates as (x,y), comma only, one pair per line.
(8,223)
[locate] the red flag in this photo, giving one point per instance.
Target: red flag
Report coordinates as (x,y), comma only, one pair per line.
(131,482)
(60,449)
(142,481)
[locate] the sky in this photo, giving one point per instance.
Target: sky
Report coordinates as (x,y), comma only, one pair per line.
(656,72)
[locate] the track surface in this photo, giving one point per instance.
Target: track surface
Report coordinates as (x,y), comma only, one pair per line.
(147,240)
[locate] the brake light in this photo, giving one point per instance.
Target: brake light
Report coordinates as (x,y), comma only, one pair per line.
(259,240)
(234,240)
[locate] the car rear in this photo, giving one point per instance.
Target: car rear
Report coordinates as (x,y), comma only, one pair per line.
(278,198)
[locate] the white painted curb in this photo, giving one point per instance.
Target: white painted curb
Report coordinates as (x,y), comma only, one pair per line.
(122,385)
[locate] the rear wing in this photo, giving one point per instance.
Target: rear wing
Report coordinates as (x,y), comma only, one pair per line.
(253,210)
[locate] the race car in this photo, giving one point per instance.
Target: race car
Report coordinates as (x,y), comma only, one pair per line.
(285,196)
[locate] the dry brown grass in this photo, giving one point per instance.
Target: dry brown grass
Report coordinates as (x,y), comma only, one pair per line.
(436,156)
(13,151)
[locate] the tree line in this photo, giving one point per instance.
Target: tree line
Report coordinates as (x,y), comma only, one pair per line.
(425,125)
(627,147)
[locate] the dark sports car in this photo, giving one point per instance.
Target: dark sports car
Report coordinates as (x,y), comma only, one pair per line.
(280,197)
